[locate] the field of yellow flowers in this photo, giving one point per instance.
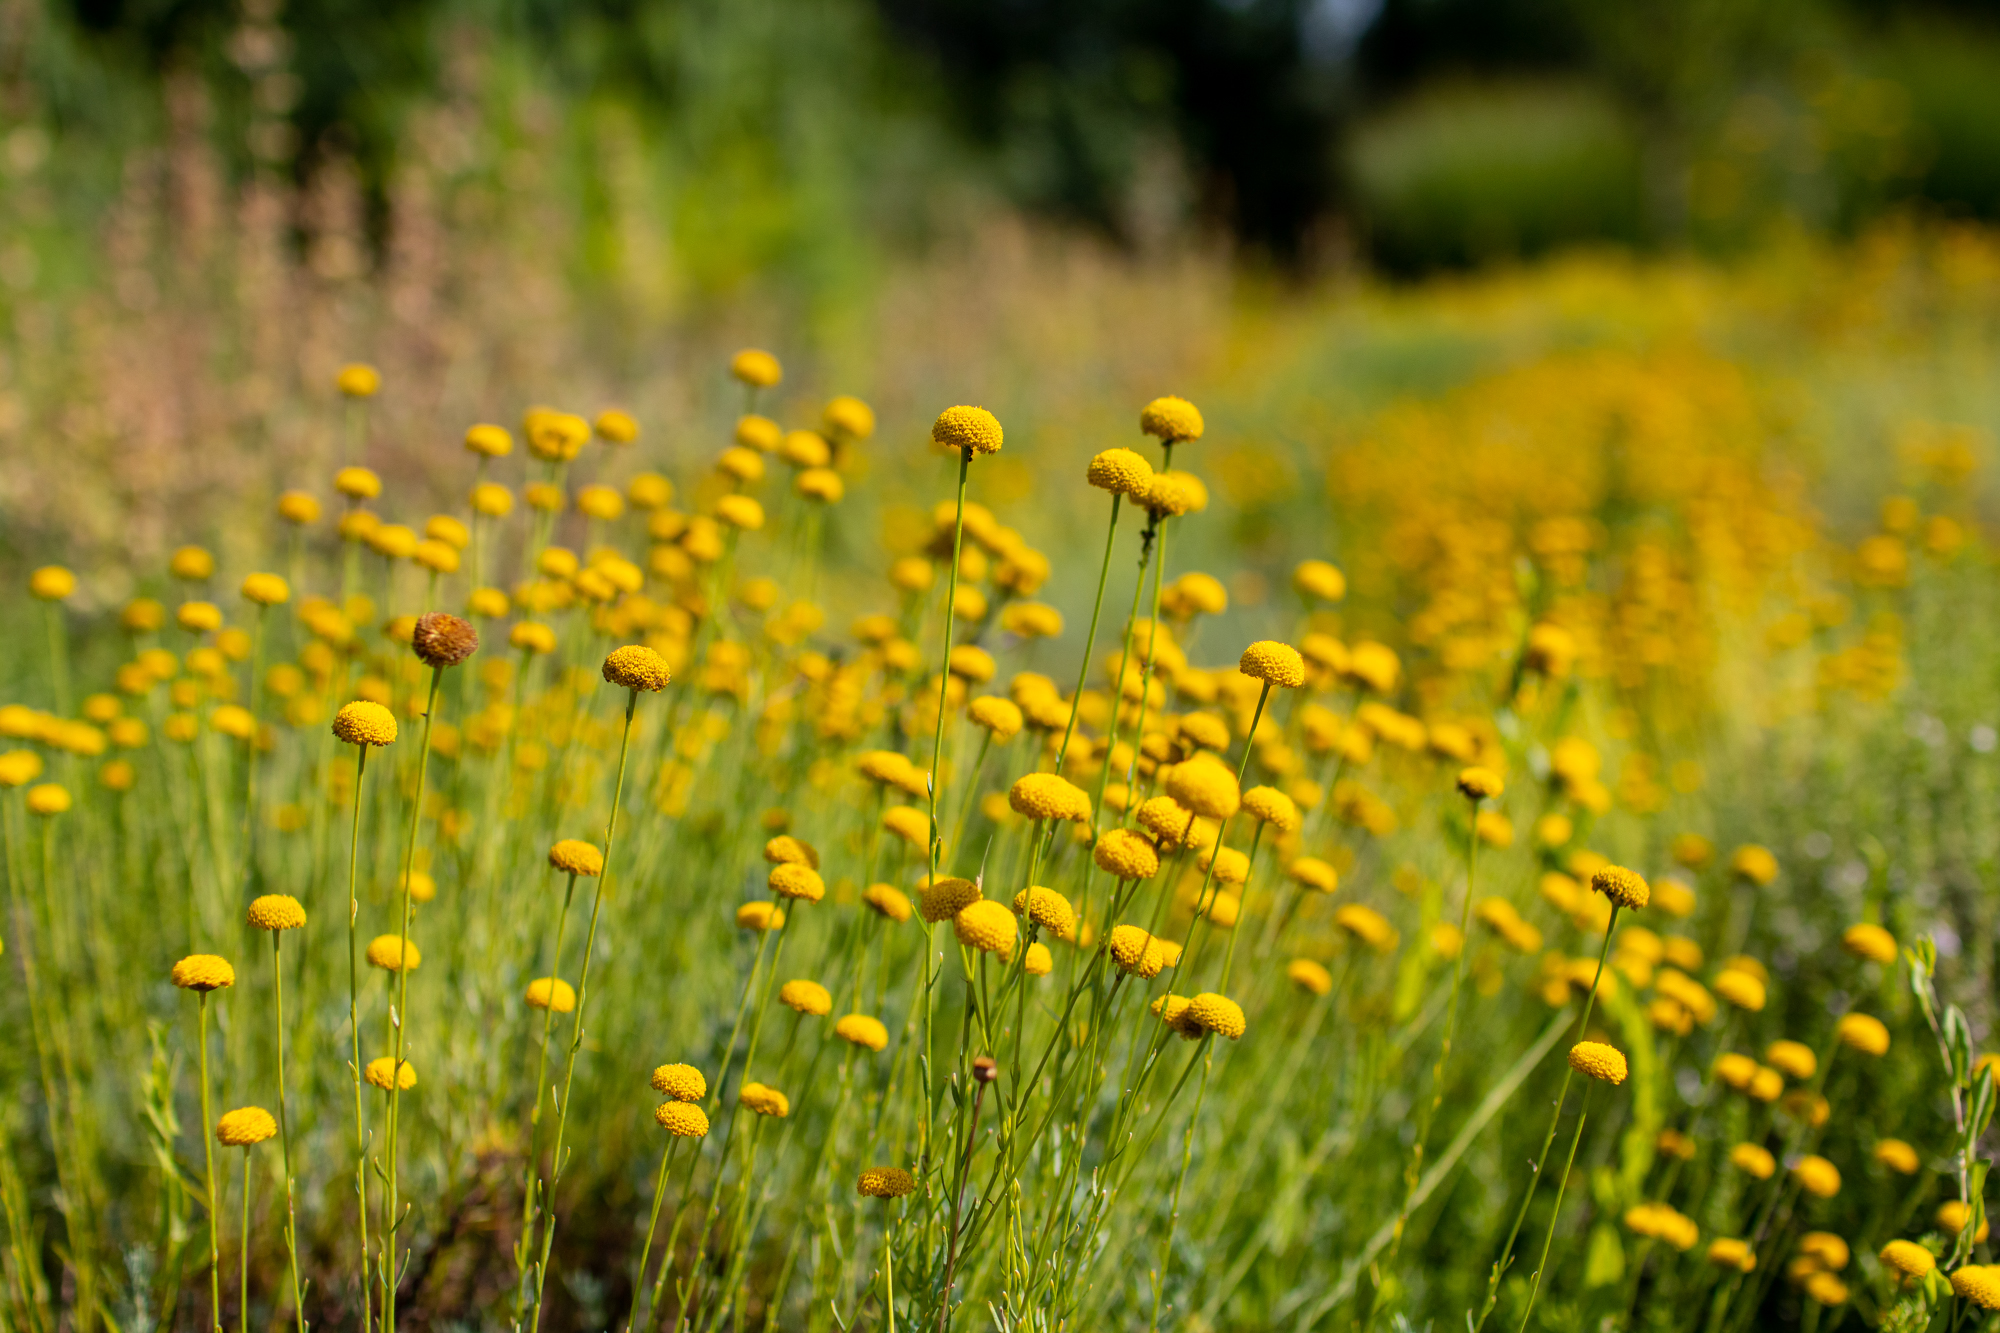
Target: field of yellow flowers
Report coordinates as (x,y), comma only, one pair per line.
(1463,806)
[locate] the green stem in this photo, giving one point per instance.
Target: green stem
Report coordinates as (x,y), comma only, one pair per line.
(285,1132)
(354,1035)
(208,1157)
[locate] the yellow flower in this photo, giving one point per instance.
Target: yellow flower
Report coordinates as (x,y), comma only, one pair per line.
(637,667)
(792,880)
(1602,1062)
(756,368)
(1048,909)
(1049,796)
(393,953)
(820,483)
(1826,1289)
(1367,925)
(1753,1159)
(971,662)
(1319,580)
(383,1072)
(683,1083)
(1825,1249)
(267,589)
(807,997)
(1740,989)
(298,507)
(1725,1252)
(1908,1258)
(1139,952)
(615,427)
(277,911)
(600,502)
(1205,786)
(986,926)
(1870,942)
(682,1120)
(48,798)
(1229,865)
(1272,807)
(1674,898)
(1218,1014)
(203,972)
(649,490)
(885,1182)
(1309,976)
(551,993)
(1625,887)
(52,583)
(1792,1057)
(967,430)
(944,899)
(1120,471)
(492,499)
(765,1101)
(785,848)
(805,448)
(491,441)
(1124,854)
(861,1030)
(1817,1176)
(740,511)
(888,901)
(199,617)
(487,603)
(1173,1011)
(1862,1032)
(1000,716)
(1031,620)
(1171,419)
(850,417)
(357,483)
(532,636)
(1039,962)
(1479,784)
(358,380)
(1952,1216)
(1314,873)
(1277,663)
(759,433)
(246,1125)
(555,436)
(1754,863)
(576,857)
(1978,1283)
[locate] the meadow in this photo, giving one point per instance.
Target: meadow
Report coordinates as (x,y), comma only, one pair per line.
(1356,807)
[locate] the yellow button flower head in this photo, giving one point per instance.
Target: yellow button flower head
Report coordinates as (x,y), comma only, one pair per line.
(603,503)
(267,589)
(862,1030)
(1601,1062)
(357,483)
(246,1125)
(649,490)
(1367,925)
(986,926)
(740,511)
(492,499)
(807,997)
(805,448)
(1120,471)
(1753,1159)
(551,993)
(756,368)
(1218,1014)
(1173,1011)
(849,417)
(277,911)
(393,953)
(532,636)
(199,617)
(887,901)
(298,507)
(683,1083)
(1139,952)
(1826,1289)
(1793,1058)
(885,1182)
(1817,1176)
(1479,784)
(487,603)
(383,1072)
(1978,1283)
(1870,942)
(358,380)
(785,848)
(1277,663)
(1000,716)
(48,798)
(490,441)
(967,430)
(765,1101)
(576,857)
(1908,1258)
(1126,855)
(192,563)
(1825,1248)
(1754,863)
(1740,988)
(759,433)
(972,662)
(615,427)
(792,880)
(1039,962)
(682,1120)
(19,767)
(1727,1252)
(1174,420)
(1272,807)
(1319,580)
(1952,1216)
(204,972)
(1625,887)
(52,583)
(555,436)
(1048,796)
(1168,494)
(1048,909)
(1230,866)
(1862,1032)
(637,667)
(1314,873)
(943,900)
(440,557)
(1171,823)
(1206,786)
(1309,976)
(820,483)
